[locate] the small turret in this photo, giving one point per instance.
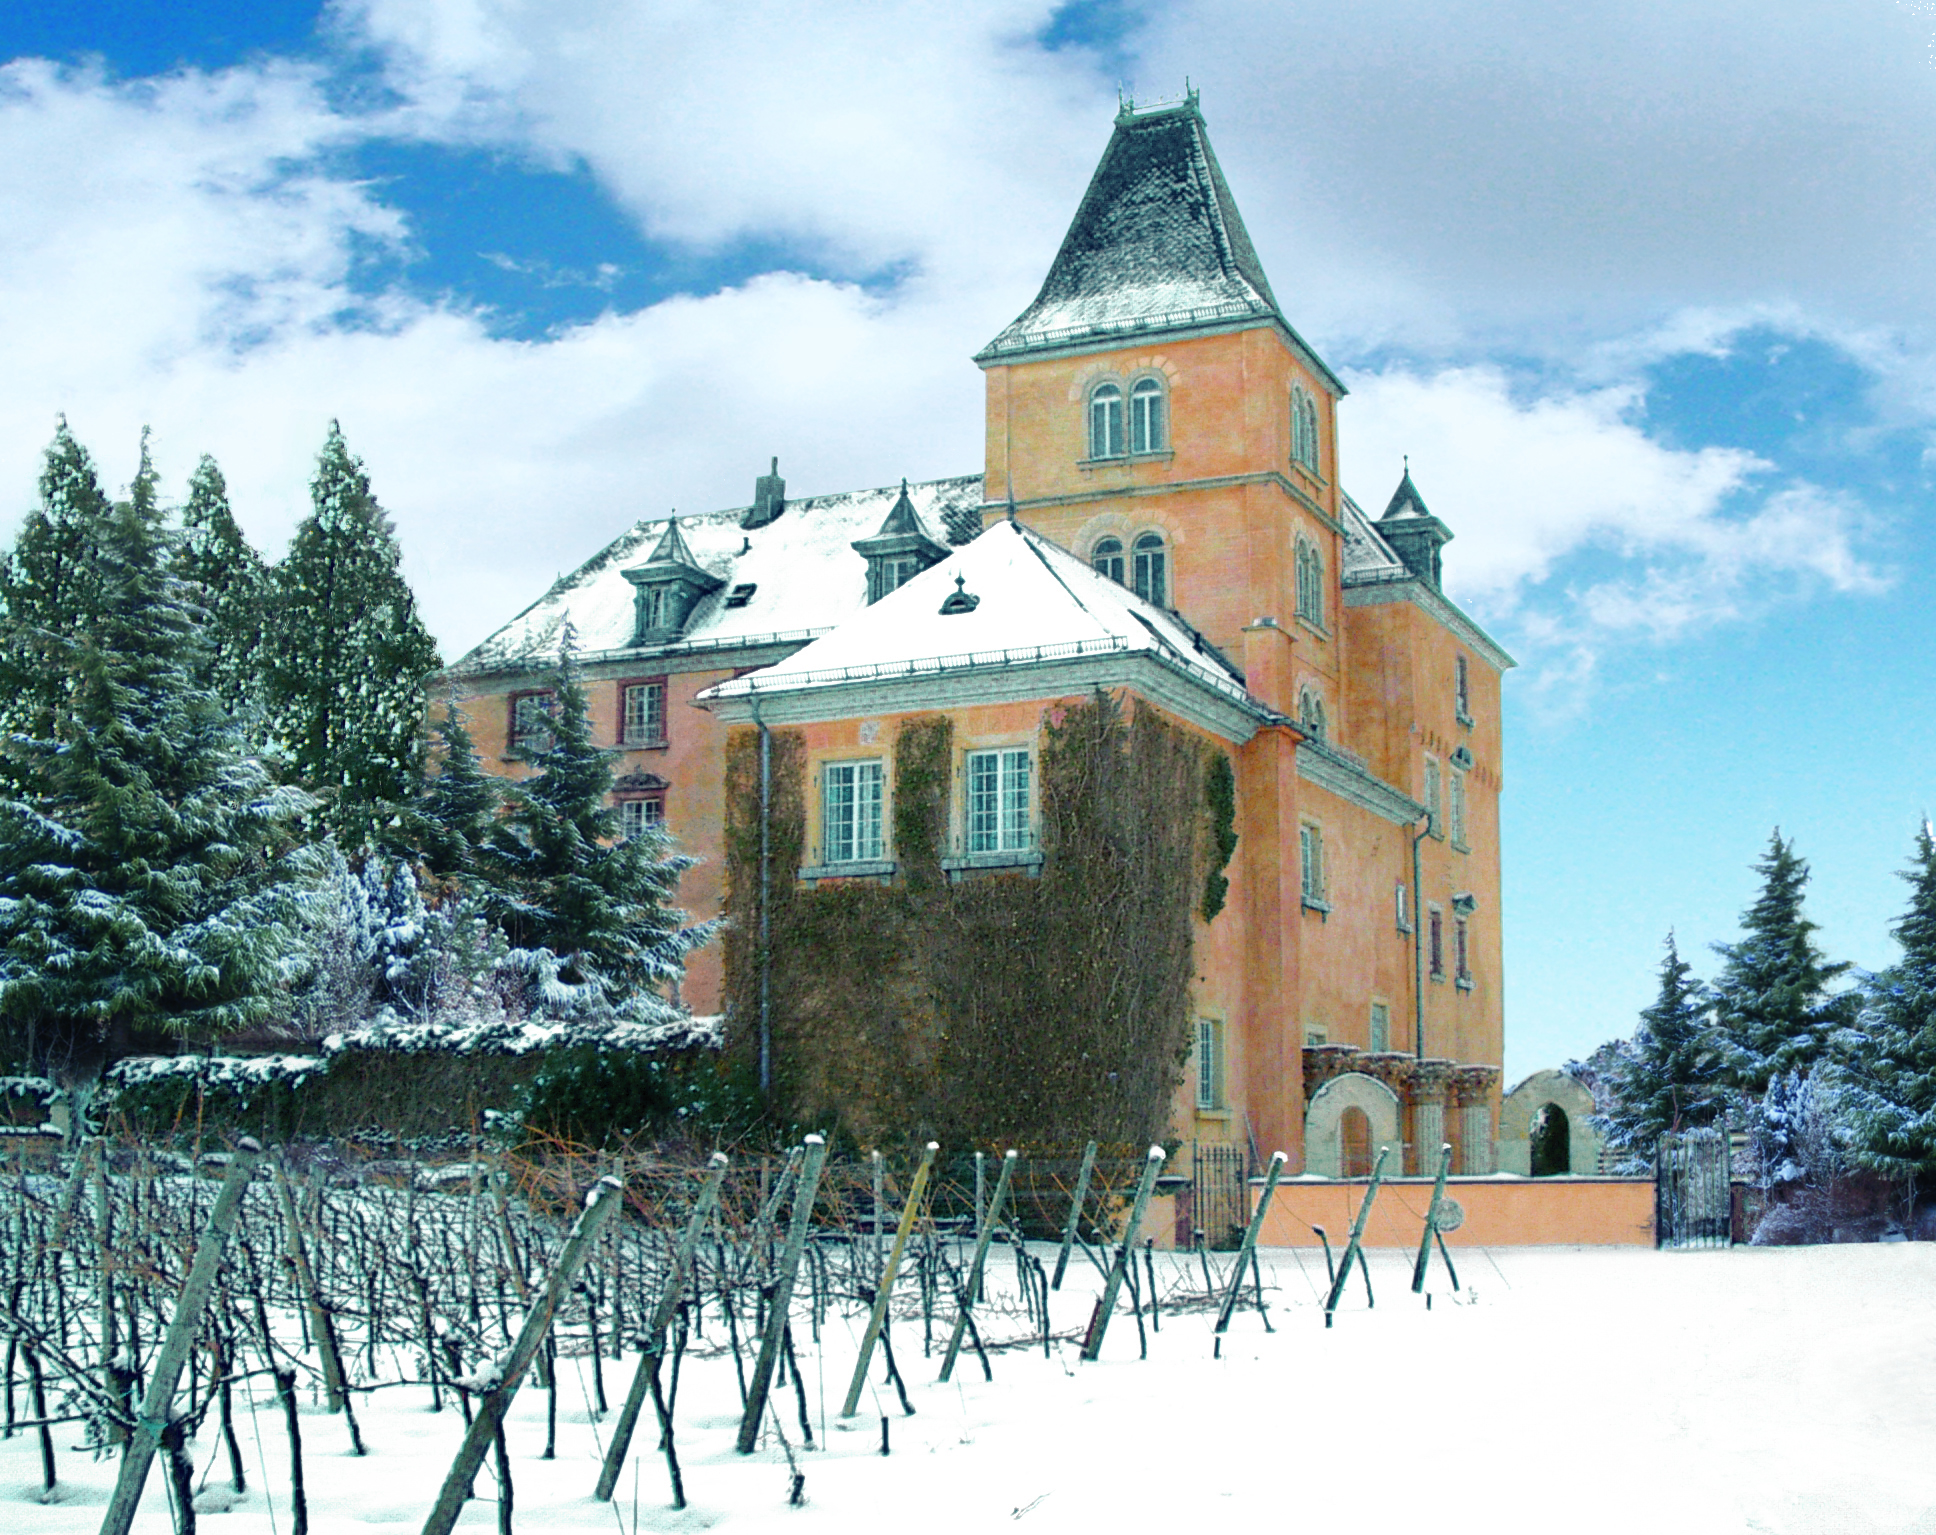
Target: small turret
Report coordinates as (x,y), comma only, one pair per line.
(1415,535)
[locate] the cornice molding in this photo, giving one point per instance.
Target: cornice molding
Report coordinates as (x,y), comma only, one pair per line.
(1377,592)
(1348,781)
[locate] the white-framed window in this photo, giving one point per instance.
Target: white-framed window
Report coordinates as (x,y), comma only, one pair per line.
(659,606)
(1210,1072)
(1432,796)
(1310,851)
(531,720)
(1107,557)
(1380,1026)
(998,801)
(1310,583)
(1152,569)
(851,794)
(1462,691)
(1106,421)
(1304,428)
(890,573)
(1146,428)
(1456,808)
(1401,907)
(642,720)
(1310,713)
(1435,942)
(639,812)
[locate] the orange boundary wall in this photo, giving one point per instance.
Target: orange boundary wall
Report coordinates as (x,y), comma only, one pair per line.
(1499,1212)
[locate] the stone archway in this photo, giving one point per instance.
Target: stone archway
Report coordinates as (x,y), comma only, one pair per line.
(1324,1121)
(1523,1105)
(1547,1143)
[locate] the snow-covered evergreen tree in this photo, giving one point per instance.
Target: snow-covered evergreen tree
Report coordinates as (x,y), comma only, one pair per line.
(230,581)
(1773,1008)
(459,805)
(141,882)
(347,657)
(1667,1079)
(588,916)
(49,585)
(1889,1066)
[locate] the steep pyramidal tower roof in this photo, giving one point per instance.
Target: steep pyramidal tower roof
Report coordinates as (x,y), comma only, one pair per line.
(1157,244)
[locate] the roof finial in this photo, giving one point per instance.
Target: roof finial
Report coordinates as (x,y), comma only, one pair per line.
(1408,465)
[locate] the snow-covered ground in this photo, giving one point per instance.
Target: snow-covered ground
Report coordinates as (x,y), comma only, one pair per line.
(1574,1389)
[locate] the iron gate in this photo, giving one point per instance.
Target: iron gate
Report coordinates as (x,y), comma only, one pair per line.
(1693,1202)
(1218,1199)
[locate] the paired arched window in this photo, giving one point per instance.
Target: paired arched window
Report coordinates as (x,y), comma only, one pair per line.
(1310,713)
(1106,421)
(1152,570)
(1144,428)
(1304,428)
(1310,583)
(1107,557)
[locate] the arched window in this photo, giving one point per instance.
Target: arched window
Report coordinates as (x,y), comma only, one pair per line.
(1310,713)
(1304,429)
(1310,583)
(1354,1144)
(1108,558)
(1146,430)
(1152,570)
(1106,421)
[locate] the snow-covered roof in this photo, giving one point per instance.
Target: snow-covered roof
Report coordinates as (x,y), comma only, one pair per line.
(1367,557)
(806,576)
(1157,244)
(1033,602)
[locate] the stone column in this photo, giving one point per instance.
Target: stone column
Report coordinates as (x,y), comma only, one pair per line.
(1473,1086)
(1431,1079)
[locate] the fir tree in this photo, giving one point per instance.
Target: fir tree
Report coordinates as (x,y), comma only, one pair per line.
(1667,1079)
(347,657)
(49,584)
(1889,1076)
(140,887)
(589,916)
(1773,1008)
(230,581)
(459,805)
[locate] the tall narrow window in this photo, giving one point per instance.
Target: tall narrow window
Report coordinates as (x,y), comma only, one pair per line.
(1152,570)
(1456,814)
(1435,943)
(1432,796)
(1461,693)
(643,723)
(1310,846)
(1380,1026)
(1401,906)
(1461,949)
(1108,558)
(1209,1064)
(531,721)
(1304,429)
(1106,421)
(639,812)
(850,826)
(1310,583)
(1146,417)
(998,801)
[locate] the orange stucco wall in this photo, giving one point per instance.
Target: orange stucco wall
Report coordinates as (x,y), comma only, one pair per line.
(1499,1212)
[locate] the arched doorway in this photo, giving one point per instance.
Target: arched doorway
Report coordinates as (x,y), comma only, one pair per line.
(1354,1144)
(1551,1139)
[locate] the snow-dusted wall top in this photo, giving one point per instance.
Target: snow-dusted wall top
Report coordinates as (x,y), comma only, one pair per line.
(802,566)
(1367,557)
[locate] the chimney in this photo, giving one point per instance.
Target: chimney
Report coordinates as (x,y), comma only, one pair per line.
(769,499)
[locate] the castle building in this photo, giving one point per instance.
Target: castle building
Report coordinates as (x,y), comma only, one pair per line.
(1159,524)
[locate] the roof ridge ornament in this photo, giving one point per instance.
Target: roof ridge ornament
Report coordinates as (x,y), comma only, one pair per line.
(960,600)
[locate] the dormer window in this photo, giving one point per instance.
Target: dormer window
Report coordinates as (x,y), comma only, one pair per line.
(667,588)
(1147,433)
(1108,558)
(1152,568)
(900,551)
(1106,421)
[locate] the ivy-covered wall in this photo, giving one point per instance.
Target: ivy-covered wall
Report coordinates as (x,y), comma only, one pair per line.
(1005,1009)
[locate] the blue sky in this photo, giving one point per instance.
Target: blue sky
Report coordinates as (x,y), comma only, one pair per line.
(1640,288)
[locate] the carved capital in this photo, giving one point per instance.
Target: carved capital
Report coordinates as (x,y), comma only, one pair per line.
(1323,1062)
(1473,1085)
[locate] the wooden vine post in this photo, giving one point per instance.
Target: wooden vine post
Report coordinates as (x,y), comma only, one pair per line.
(600,1205)
(334,1380)
(1075,1212)
(158,1405)
(1250,1242)
(910,1209)
(1092,1346)
(781,1304)
(991,1218)
(1351,1249)
(628,1416)
(1432,1227)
